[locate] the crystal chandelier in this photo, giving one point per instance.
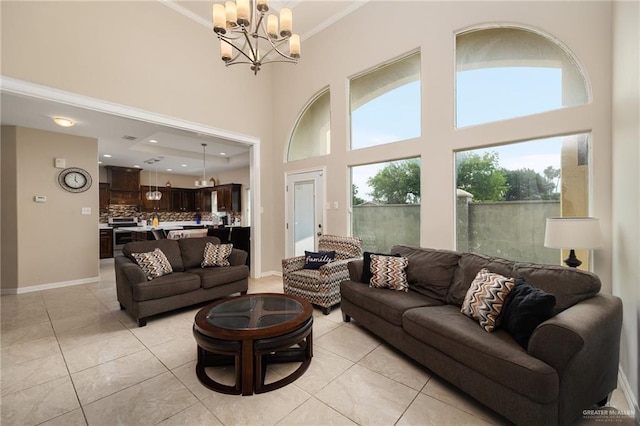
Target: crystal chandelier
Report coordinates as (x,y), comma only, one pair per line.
(249,36)
(204,182)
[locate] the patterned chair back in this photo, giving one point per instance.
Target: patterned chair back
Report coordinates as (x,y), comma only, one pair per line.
(345,247)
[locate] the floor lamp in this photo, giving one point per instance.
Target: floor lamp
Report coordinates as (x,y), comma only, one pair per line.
(572,233)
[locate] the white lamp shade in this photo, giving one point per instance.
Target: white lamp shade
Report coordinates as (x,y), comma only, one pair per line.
(572,233)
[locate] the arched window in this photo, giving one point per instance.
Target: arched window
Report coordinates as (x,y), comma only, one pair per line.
(504,72)
(311,135)
(385,103)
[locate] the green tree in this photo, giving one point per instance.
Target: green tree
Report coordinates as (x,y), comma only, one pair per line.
(397,183)
(480,176)
(527,184)
(553,175)
(355,200)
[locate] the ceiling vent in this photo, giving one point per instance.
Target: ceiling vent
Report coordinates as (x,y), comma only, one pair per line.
(129,138)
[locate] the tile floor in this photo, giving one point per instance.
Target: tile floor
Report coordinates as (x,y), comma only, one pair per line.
(70,356)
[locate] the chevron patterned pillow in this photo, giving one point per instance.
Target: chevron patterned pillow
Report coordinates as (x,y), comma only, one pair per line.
(389,272)
(485,298)
(216,255)
(154,264)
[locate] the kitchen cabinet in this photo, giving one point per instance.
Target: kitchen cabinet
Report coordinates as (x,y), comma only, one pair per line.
(203,200)
(183,200)
(162,205)
(124,185)
(103,189)
(229,197)
(106,243)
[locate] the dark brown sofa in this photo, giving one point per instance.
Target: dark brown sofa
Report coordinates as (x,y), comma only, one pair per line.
(570,364)
(187,285)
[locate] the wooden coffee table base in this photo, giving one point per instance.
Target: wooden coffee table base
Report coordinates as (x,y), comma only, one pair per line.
(251,358)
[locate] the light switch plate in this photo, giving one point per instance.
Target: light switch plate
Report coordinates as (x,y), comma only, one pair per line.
(86,210)
(60,163)
(40,198)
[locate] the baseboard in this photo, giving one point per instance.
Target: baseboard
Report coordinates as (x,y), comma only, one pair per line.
(632,402)
(49,286)
(271,274)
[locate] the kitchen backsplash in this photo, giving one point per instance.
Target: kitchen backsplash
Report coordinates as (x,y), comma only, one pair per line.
(115,210)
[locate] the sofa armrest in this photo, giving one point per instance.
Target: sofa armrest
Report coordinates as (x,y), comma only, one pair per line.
(582,343)
(355,269)
(238,257)
(292,264)
(128,272)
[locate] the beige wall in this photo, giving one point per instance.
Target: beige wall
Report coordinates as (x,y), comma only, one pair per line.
(55,233)
(146,56)
(330,58)
(626,182)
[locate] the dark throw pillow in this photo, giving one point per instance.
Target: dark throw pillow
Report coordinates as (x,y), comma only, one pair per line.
(366,265)
(313,260)
(526,308)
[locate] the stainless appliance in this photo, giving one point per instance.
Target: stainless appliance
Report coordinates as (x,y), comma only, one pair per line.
(121,236)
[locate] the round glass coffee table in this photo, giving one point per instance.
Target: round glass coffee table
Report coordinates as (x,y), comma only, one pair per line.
(251,332)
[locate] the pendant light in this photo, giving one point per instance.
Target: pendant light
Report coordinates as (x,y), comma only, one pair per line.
(153,195)
(157,195)
(204,182)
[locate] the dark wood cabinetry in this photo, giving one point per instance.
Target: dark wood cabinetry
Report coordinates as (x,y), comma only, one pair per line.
(162,205)
(103,189)
(203,200)
(183,200)
(124,184)
(229,197)
(106,243)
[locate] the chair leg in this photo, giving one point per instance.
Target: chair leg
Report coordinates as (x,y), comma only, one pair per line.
(142,322)
(326,310)
(346,318)
(122,307)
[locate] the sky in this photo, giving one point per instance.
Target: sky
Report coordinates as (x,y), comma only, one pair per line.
(482,96)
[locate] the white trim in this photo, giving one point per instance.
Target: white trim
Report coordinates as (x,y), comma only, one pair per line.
(24,88)
(625,387)
(27,89)
(171,4)
(271,274)
(49,286)
(187,13)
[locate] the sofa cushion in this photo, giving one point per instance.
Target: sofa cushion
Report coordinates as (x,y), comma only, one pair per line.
(568,285)
(494,355)
(366,265)
(192,250)
(165,286)
(216,255)
(389,305)
(154,264)
(314,260)
(219,275)
(430,271)
(170,248)
(468,266)
(526,308)
(485,299)
(389,272)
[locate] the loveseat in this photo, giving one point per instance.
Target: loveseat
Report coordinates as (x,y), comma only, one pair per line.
(569,362)
(188,282)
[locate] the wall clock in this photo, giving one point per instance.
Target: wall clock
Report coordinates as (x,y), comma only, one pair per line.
(75,179)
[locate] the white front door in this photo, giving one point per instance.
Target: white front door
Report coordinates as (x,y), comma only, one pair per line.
(305,211)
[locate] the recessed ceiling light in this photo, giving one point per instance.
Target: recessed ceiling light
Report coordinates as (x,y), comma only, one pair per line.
(183,165)
(63,121)
(153,141)
(107,155)
(99,162)
(169,170)
(136,166)
(223,153)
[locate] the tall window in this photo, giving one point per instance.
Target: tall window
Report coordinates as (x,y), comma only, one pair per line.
(386,204)
(505,194)
(504,73)
(385,104)
(312,133)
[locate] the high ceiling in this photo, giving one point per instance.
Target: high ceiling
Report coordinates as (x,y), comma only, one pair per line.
(128,141)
